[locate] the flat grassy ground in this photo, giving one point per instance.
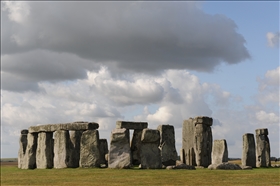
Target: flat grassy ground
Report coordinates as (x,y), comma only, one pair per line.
(11,175)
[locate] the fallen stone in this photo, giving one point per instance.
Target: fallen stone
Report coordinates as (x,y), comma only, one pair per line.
(181,165)
(249,150)
(119,154)
(167,144)
(29,159)
(246,167)
(150,153)
(131,125)
(44,153)
(224,166)
(219,152)
(79,125)
(89,149)
(22,147)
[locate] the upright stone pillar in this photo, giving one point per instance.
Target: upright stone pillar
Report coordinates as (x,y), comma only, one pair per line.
(44,153)
(119,153)
(75,138)
(29,159)
(249,150)
(103,151)
(62,149)
(262,148)
(150,153)
(197,140)
(182,156)
(136,146)
(22,147)
(219,152)
(89,153)
(167,145)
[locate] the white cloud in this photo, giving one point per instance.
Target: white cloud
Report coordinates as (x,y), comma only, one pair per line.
(273,39)
(18,11)
(268,118)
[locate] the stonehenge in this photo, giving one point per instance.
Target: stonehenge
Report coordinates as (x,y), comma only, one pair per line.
(197,141)
(77,144)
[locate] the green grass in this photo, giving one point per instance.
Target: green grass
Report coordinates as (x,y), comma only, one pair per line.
(11,175)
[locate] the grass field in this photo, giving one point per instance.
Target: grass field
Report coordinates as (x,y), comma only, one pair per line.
(11,175)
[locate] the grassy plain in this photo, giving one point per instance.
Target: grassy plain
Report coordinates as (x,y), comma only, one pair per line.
(11,175)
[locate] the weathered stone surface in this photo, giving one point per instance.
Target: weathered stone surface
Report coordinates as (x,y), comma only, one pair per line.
(262,148)
(29,159)
(225,166)
(131,125)
(249,150)
(197,141)
(24,131)
(136,146)
(89,150)
(103,145)
(150,136)
(119,154)
(79,125)
(22,147)
(44,153)
(62,149)
(181,165)
(167,144)
(203,120)
(75,138)
(150,153)
(219,152)
(182,156)
(263,131)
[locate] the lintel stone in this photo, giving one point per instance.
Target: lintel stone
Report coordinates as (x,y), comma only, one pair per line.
(203,120)
(262,131)
(131,125)
(79,125)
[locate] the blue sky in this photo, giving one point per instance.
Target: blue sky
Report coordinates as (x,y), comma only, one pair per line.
(160,62)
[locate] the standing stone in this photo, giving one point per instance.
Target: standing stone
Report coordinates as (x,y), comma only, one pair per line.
(249,150)
(119,153)
(44,153)
(262,148)
(136,146)
(197,141)
(29,159)
(75,138)
(89,153)
(167,145)
(182,156)
(22,147)
(62,149)
(103,151)
(219,152)
(150,153)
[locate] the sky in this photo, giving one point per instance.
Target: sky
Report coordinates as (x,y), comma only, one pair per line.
(160,62)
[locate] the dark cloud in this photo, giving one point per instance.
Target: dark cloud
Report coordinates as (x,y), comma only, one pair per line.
(137,36)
